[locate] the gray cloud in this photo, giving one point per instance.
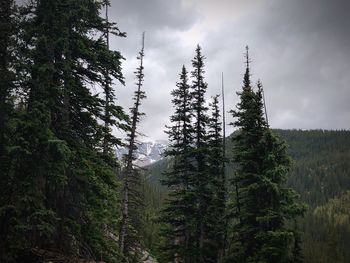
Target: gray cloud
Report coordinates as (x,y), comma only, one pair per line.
(300,50)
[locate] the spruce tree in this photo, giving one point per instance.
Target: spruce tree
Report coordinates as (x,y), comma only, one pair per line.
(7,31)
(114,115)
(178,214)
(200,154)
(40,153)
(130,225)
(66,191)
(217,186)
(266,204)
(189,234)
(8,46)
(297,251)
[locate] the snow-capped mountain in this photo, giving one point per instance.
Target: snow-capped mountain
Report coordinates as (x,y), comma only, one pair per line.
(147,152)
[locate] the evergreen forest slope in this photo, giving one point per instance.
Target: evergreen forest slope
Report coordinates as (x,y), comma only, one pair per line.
(320,174)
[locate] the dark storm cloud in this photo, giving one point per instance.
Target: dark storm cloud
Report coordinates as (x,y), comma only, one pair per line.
(300,50)
(157,17)
(303,56)
(161,20)
(153,13)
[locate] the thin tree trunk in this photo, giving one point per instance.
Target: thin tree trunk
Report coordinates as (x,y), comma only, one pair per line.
(125,215)
(107,94)
(222,251)
(129,159)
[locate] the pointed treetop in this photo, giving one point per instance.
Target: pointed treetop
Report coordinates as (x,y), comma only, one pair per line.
(247,56)
(223,108)
(183,75)
(199,55)
(143,39)
(261,89)
(198,51)
(222,81)
(246,80)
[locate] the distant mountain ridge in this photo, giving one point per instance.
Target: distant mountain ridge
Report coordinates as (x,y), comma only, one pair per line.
(320,174)
(147,152)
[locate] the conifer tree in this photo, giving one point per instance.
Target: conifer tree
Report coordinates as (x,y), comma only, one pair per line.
(266,204)
(178,215)
(40,153)
(297,253)
(217,187)
(114,115)
(8,45)
(200,154)
(7,31)
(66,192)
(129,233)
(189,178)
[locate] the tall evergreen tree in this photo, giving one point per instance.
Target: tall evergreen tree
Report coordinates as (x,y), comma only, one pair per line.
(266,204)
(7,31)
(178,215)
(200,154)
(114,115)
(217,186)
(129,233)
(66,192)
(41,156)
(8,45)
(192,231)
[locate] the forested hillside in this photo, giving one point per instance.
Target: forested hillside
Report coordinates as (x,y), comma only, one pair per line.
(66,196)
(320,174)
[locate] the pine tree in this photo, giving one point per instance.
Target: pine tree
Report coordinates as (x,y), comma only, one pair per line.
(114,115)
(188,236)
(7,31)
(297,253)
(217,186)
(8,45)
(40,153)
(178,215)
(129,233)
(265,203)
(66,190)
(200,154)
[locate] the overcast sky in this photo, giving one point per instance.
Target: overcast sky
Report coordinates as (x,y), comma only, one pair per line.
(300,49)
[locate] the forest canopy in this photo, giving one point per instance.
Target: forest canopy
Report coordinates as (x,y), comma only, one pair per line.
(66,197)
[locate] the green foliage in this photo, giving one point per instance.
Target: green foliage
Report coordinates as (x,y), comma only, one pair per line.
(178,215)
(202,195)
(151,233)
(327,232)
(131,225)
(320,172)
(262,202)
(62,190)
(59,177)
(193,219)
(217,222)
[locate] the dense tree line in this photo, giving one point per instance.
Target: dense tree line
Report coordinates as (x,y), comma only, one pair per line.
(195,207)
(199,226)
(321,176)
(319,173)
(59,174)
(327,231)
(263,204)
(64,192)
